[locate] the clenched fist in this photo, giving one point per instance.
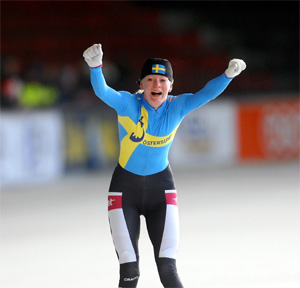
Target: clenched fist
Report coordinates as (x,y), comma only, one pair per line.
(235,67)
(93,56)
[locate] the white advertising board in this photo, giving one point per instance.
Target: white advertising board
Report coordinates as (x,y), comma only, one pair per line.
(207,136)
(32,147)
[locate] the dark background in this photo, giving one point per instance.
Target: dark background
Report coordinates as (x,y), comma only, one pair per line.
(44,40)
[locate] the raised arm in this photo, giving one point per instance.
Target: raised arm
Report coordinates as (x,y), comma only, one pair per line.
(214,87)
(93,57)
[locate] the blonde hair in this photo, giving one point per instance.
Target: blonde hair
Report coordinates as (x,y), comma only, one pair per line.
(140,91)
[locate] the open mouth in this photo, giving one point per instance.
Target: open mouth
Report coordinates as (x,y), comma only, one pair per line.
(156,93)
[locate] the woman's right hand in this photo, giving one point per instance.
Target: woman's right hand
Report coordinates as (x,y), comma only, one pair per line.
(93,56)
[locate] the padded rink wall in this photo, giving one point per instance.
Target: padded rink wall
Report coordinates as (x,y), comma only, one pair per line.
(207,136)
(230,133)
(32,147)
(40,146)
(268,130)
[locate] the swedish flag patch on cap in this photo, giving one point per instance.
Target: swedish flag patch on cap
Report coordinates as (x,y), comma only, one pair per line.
(158,69)
(157,66)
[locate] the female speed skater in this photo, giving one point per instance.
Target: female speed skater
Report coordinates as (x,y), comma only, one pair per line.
(142,182)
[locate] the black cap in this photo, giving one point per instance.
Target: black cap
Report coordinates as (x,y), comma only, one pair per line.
(157,66)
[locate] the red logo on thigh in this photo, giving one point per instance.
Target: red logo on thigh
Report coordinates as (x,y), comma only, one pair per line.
(114,202)
(171,198)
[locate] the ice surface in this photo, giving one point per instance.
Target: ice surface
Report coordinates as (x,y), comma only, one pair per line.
(239,229)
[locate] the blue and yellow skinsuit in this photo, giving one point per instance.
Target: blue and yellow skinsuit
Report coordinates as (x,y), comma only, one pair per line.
(146,134)
(142,183)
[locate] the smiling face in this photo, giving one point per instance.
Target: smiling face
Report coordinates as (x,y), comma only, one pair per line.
(156,89)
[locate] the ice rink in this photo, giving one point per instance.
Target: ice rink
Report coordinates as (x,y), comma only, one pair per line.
(239,229)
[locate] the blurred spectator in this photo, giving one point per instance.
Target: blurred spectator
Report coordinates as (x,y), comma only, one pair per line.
(11,82)
(38,95)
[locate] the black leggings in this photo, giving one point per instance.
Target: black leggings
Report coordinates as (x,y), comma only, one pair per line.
(155,197)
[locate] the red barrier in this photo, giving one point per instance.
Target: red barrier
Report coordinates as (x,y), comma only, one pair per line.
(269,130)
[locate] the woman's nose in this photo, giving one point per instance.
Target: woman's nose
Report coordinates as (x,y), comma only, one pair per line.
(156,83)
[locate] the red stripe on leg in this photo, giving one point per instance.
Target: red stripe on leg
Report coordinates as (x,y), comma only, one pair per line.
(171,198)
(114,202)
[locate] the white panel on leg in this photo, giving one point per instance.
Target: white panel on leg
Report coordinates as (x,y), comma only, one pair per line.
(170,240)
(119,231)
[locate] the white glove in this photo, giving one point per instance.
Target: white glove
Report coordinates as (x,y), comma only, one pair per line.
(235,67)
(93,56)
